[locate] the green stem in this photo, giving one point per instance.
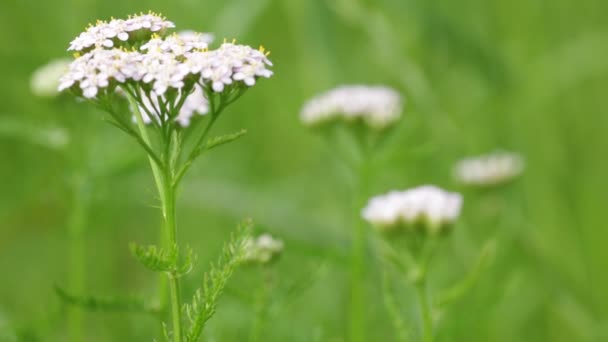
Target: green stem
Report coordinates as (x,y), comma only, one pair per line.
(393,308)
(170,229)
(166,191)
(357,303)
(261,305)
(77,267)
(425,311)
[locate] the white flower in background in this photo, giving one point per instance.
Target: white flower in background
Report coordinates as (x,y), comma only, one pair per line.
(104,34)
(490,169)
(262,249)
(377,106)
(195,103)
(428,206)
(45,80)
(190,35)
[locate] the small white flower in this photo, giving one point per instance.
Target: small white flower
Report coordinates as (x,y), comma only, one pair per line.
(176,44)
(428,205)
(489,170)
(377,106)
(163,70)
(201,38)
(45,80)
(151,22)
(229,63)
(103,34)
(262,249)
(95,69)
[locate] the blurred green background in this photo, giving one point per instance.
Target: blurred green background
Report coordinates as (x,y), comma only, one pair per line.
(527,76)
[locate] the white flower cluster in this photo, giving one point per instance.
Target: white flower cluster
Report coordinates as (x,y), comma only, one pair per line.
(427,206)
(230,63)
(45,80)
(195,103)
(489,170)
(96,69)
(378,106)
(262,249)
(105,34)
(166,63)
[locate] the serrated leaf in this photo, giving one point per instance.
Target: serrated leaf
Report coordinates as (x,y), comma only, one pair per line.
(120,304)
(155,258)
(224,139)
(204,301)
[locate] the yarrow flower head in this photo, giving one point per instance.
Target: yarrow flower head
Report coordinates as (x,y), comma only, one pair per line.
(262,249)
(45,80)
(428,207)
(170,76)
(489,170)
(377,106)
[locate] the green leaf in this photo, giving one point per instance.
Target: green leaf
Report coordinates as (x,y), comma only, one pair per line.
(224,139)
(154,258)
(120,304)
(461,288)
(204,301)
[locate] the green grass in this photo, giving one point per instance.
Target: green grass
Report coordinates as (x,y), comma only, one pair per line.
(529,76)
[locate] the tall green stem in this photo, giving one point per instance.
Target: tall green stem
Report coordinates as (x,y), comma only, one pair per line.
(164,180)
(357,308)
(425,311)
(168,208)
(76,227)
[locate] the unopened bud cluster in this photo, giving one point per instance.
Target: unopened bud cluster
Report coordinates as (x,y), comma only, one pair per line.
(262,249)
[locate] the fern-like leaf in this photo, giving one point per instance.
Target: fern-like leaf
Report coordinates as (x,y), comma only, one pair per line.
(154,258)
(108,304)
(164,260)
(224,139)
(204,301)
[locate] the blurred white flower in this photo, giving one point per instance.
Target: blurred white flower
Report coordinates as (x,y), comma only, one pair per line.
(262,249)
(190,35)
(490,169)
(427,206)
(377,106)
(104,34)
(195,103)
(45,80)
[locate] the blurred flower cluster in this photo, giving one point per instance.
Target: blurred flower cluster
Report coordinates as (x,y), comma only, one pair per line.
(262,249)
(427,206)
(490,169)
(376,106)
